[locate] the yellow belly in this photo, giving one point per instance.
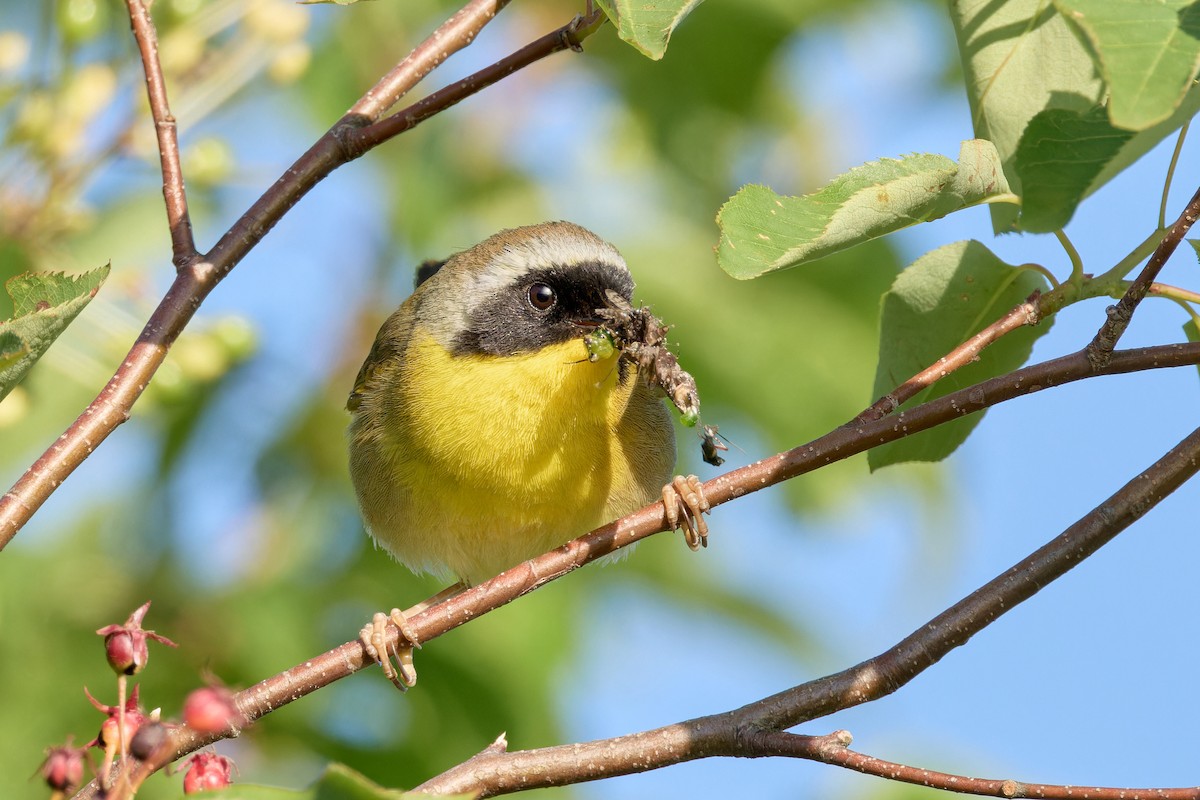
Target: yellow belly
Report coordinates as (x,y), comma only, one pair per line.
(493,460)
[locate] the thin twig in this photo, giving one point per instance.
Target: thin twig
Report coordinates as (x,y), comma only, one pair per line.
(193,283)
(1119,316)
(320,671)
(834,749)
(568,37)
(451,36)
(183,245)
(1026,313)
(752,731)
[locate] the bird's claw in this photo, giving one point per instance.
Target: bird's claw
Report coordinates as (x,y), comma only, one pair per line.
(374,638)
(685,503)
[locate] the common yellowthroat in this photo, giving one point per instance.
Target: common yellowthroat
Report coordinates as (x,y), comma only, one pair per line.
(484,432)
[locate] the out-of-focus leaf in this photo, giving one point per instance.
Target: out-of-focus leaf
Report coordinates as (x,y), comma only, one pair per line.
(1022,58)
(1147,51)
(339,782)
(699,590)
(1058,158)
(1195,243)
(45,304)
(762,231)
(647,25)
(940,301)
(779,360)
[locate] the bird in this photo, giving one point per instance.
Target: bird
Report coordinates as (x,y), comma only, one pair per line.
(484,431)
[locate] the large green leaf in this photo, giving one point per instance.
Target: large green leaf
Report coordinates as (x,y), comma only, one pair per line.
(1059,156)
(1022,59)
(936,304)
(45,304)
(762,231)
(647,24)
(1147,51)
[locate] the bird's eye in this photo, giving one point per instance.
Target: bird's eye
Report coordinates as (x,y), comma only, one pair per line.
(541,296)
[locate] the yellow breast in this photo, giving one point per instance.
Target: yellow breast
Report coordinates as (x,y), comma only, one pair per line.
(491,460)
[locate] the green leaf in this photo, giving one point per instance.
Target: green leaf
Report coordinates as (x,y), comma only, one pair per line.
(763,232)
(1058,158)
(936,304)
(45,304)
(12,349)
(1191,330)
(339,782)
(1022,58)
(647,24)
(1147,51)
(1195,243)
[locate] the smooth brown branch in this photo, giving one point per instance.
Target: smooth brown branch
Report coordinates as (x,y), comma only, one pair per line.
(322,670)
(194,281)
(1026,313)
(183,245)
(451,36)
(568,37)
(834,749)
(1119,316)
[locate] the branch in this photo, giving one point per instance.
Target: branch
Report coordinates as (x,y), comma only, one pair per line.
(183,245)
(1120,315)
(848,688)
(1026,313)
(196,279)
(834,749)
(568,37)
(753,730)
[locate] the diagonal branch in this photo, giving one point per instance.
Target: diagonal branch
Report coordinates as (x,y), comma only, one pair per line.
(183,245)
(568,37)
(1027,313)
(834,749)
(194,281)
(753,730)
(1120,315)
(853,686)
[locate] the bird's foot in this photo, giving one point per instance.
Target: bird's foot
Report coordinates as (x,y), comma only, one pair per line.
(374,638)
(685,503)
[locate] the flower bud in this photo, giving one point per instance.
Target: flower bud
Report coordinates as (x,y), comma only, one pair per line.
(207,771)
(63,768)
(211,710)
(125,645)
(110,728)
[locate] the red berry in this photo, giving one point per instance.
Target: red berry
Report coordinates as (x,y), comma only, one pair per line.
(63,768)
(125,645)
(207,771)
(211,710)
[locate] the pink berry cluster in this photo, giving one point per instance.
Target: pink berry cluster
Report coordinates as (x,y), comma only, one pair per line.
(128,730)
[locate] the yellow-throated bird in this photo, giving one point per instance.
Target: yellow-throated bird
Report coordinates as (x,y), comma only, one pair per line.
(482,434)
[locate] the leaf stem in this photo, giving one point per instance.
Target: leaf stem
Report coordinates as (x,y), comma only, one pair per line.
(1162,208)
(1076,278)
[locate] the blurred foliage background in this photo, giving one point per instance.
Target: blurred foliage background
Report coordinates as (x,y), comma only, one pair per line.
(225,499)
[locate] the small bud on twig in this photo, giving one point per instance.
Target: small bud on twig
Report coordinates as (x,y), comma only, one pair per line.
(207,771)
(63,768)
(125,645)
(211,709)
